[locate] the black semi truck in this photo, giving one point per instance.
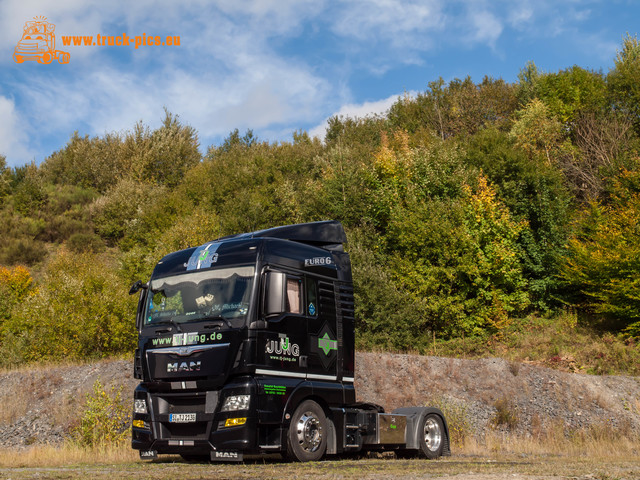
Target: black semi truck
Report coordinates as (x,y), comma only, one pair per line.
(246,347)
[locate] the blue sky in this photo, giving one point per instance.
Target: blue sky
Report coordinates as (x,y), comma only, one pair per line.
(276,66)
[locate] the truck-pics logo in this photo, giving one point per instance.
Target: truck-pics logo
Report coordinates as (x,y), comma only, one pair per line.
(282,347)
(38,43)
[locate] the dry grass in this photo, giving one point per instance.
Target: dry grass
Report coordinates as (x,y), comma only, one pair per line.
(600,441)
(560,342)
(68,454)
(47,365)
(596,446)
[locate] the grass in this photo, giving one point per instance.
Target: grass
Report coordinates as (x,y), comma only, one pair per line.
(559,342)
(494,458)
(65,455)
(599,441)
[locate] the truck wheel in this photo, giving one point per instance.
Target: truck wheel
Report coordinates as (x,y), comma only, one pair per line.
(18,58)
(432,436)
(63,57)
(307,436)
(46,58)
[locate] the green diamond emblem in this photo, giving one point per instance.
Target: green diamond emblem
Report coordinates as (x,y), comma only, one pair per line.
(326,344)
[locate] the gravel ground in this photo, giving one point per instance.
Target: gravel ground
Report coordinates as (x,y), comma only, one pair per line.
(537,396)
(40,405)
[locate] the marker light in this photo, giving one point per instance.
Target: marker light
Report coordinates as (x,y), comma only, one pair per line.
(234,422)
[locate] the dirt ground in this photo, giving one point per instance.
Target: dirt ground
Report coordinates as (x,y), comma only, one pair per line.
(455,467)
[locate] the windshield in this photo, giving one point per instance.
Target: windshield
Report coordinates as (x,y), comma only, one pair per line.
(201,295)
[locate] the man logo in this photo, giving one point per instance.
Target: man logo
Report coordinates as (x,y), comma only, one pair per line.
(183,367)
(228,456)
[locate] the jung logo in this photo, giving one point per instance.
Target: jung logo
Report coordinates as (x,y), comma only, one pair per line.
(282,346)
(183,367)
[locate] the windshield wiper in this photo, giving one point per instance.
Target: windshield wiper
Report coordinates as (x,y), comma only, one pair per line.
(172,322)
(214,318)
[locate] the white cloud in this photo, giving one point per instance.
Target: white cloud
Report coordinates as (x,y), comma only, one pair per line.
(357,110)
(483,27)
(238,65)
(520,14)
(391,20)
(13,134)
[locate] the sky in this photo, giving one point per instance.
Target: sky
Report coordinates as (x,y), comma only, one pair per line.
(274,66)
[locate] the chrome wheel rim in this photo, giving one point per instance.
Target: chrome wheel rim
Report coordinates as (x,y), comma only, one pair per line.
(432,435)
(309,432)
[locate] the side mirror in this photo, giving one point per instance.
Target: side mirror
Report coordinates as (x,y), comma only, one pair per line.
(274,298)
(135,288)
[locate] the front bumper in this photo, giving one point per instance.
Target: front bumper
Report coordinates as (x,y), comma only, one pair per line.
(207,433)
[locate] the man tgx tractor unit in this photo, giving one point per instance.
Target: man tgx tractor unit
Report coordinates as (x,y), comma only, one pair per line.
(246,346)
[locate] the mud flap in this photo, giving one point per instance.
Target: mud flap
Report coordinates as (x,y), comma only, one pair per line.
(226,456)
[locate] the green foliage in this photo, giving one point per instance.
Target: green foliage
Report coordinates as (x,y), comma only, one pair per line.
(467,206)
(86,162)
(534,192)
(461,259)
(5,179)
(527,80)
(624,80)
(85,242)
(15,285)
(536,131)
(117,212)
(78,311)
(461,107)
(29,194)
(601,270)
(160,156)
(572,91)
(386,316)
(105,418)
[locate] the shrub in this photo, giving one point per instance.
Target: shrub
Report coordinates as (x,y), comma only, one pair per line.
(85,242)
(80,310)
(506,414)
(105,418)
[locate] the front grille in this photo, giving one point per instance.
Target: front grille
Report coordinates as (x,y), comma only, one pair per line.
(203,404)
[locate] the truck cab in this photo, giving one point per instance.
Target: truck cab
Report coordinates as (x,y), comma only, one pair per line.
(246,346)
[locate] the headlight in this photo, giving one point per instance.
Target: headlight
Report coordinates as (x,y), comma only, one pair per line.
(139,405)
(236,402)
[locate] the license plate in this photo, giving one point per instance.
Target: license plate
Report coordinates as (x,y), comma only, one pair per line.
(182,417)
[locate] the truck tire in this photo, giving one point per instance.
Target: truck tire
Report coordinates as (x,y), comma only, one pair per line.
(431,436)
(46,58)
(307,435)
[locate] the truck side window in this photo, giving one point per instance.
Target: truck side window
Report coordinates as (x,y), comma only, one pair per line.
(312,297)
(294,295)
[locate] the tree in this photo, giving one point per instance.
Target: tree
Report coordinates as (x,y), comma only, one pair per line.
(537,132)
(623,80)
(571,92)
(600,273)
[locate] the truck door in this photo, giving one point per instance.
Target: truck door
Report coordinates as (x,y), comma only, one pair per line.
(286,341)
(301,337)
